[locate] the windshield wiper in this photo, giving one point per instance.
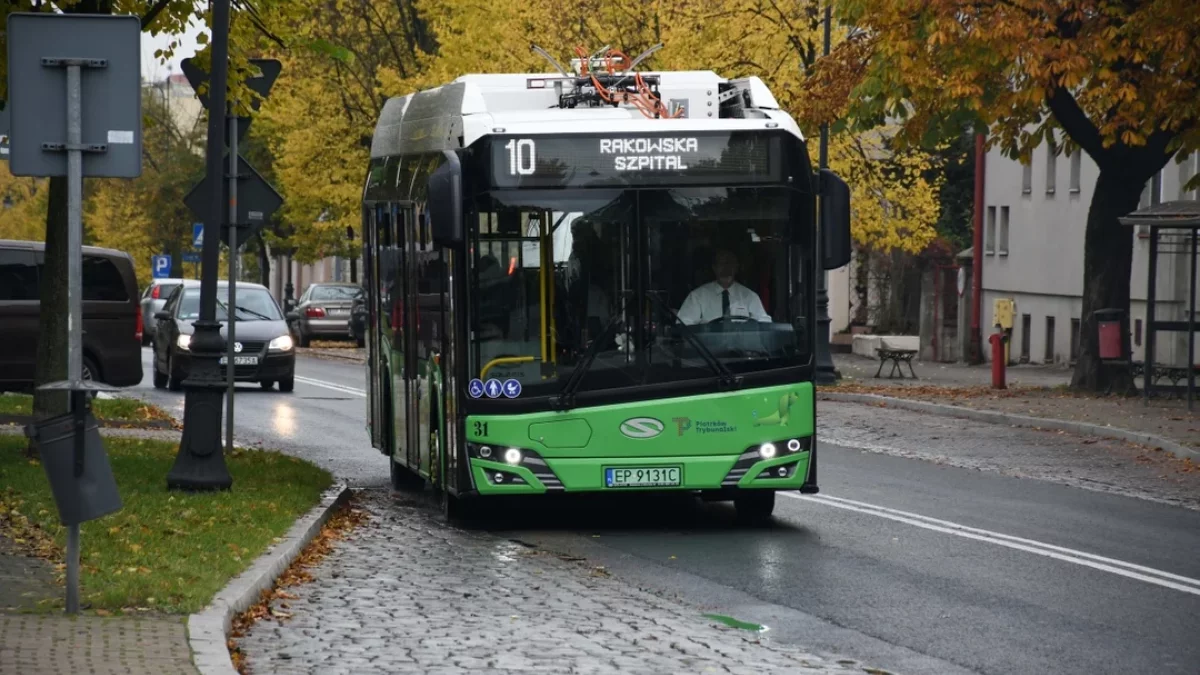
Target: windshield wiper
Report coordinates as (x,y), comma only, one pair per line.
(728,379)
(239,308)
(566,396)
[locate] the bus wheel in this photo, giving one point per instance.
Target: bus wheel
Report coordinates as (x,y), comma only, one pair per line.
(755,506)
(404,480)
(454,509)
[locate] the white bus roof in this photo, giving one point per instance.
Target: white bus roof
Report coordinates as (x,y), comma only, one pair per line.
(457,114)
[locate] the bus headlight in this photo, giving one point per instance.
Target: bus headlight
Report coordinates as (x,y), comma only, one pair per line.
(767,450)
(512,456)
(485,452)
(793,445)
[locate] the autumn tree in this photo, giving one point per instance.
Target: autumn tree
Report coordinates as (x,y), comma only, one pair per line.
(1117,78)
(146,215)
(171,17)
(329,98)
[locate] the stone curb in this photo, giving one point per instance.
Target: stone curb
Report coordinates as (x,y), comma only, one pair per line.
(208,631)
(1179,450)
(332,355)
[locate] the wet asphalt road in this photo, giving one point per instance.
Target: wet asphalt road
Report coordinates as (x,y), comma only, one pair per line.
(904,563)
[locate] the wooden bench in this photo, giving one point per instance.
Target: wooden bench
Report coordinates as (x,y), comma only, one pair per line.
(896,357)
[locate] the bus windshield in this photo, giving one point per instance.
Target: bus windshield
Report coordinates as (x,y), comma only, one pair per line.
(643,286)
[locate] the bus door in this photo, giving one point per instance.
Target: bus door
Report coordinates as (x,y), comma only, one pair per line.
(374,221)
(408,335)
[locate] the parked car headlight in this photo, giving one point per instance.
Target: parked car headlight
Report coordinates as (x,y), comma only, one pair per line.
(283,343)
(184,342)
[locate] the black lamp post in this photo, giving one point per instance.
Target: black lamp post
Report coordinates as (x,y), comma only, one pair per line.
(826,373)
(200,464)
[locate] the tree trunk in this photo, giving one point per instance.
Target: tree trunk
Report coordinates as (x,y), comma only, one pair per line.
(264,261)
(52,324)
(1107,262)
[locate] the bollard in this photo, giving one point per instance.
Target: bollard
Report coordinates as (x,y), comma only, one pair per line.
(998,359)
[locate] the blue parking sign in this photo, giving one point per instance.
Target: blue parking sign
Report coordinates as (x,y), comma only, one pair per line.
(160,266)
(197,235)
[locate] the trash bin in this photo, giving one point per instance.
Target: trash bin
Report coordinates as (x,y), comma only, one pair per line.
(1108,324)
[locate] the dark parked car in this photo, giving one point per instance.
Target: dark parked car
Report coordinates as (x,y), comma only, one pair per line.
(153,299)
(112,320)
(264,350)
(324,311)
(358,320)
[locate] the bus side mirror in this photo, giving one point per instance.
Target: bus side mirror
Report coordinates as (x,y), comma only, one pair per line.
(445,202)
(835,221)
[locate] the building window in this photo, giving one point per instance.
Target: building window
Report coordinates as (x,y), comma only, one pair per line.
(1137,332)
(1156,189)
(1051,167)
(1076,169)
(1049,356)
(1026,330)
(1026,178)
(1188,168)
(1074,340)
(989,245)
(1003,246)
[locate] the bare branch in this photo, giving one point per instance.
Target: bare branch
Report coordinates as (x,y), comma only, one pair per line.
(153,13)
(1076,123)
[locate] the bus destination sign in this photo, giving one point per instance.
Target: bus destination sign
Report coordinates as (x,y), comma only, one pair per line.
(602,160)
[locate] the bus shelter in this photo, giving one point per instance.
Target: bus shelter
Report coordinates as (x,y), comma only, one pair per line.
(1173,227)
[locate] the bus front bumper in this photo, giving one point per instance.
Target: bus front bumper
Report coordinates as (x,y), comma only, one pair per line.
(535,475)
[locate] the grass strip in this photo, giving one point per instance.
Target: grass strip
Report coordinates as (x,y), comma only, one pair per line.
(164,551)
(111,409)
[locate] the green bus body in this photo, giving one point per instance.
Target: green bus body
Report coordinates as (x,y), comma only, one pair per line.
(714,438)
(470,270)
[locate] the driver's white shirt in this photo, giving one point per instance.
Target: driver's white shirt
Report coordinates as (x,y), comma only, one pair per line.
(704,304)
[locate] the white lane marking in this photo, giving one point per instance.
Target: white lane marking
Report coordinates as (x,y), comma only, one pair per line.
(332,385)
(1120,568)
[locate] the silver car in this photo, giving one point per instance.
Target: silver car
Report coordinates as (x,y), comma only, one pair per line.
(153,298)
(324,311)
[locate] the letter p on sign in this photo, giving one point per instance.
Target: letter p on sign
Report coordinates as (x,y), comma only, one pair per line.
(160,266)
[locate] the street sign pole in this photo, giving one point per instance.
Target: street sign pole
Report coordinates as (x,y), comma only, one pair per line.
(74,296)
(231,312)
(72,452)
(200,463)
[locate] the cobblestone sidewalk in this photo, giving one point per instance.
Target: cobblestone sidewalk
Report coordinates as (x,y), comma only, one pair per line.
(408,594)
(1035,391)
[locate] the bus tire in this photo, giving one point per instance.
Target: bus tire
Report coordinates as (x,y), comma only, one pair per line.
(454,508)
(755,506)
(404,480)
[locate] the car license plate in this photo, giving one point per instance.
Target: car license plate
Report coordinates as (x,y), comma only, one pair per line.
(241,360)
(643,476)
(338,312)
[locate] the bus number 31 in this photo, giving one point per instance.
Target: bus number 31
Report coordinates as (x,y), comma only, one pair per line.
(522,156)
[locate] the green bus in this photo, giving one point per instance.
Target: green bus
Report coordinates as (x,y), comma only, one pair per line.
(569,294)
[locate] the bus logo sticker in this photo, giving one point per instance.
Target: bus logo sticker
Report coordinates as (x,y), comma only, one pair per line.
(492,388)
(512,388)
(475,388)
(641,427)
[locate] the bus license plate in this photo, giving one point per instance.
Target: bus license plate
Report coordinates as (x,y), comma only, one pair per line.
(643,476)
(241,360)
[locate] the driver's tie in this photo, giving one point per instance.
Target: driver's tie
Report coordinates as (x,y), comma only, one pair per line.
(725,302)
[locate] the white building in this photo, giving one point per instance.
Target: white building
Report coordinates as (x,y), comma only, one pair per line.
(1034,222)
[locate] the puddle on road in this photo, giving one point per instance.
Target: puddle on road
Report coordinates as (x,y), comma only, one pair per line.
(737,623)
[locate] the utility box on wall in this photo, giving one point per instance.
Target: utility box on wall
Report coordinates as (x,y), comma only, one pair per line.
(1003,311)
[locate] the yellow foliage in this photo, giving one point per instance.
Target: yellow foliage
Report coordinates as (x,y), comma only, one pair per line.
(322,113)
(22,206)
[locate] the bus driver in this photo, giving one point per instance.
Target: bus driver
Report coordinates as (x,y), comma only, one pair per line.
(722,297)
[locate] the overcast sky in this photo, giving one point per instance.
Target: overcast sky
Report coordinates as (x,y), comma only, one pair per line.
(153,69)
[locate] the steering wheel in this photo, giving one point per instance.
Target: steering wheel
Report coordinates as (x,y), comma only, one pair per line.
(729,319)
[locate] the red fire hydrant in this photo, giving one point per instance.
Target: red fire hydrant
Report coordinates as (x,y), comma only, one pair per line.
(998,360)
